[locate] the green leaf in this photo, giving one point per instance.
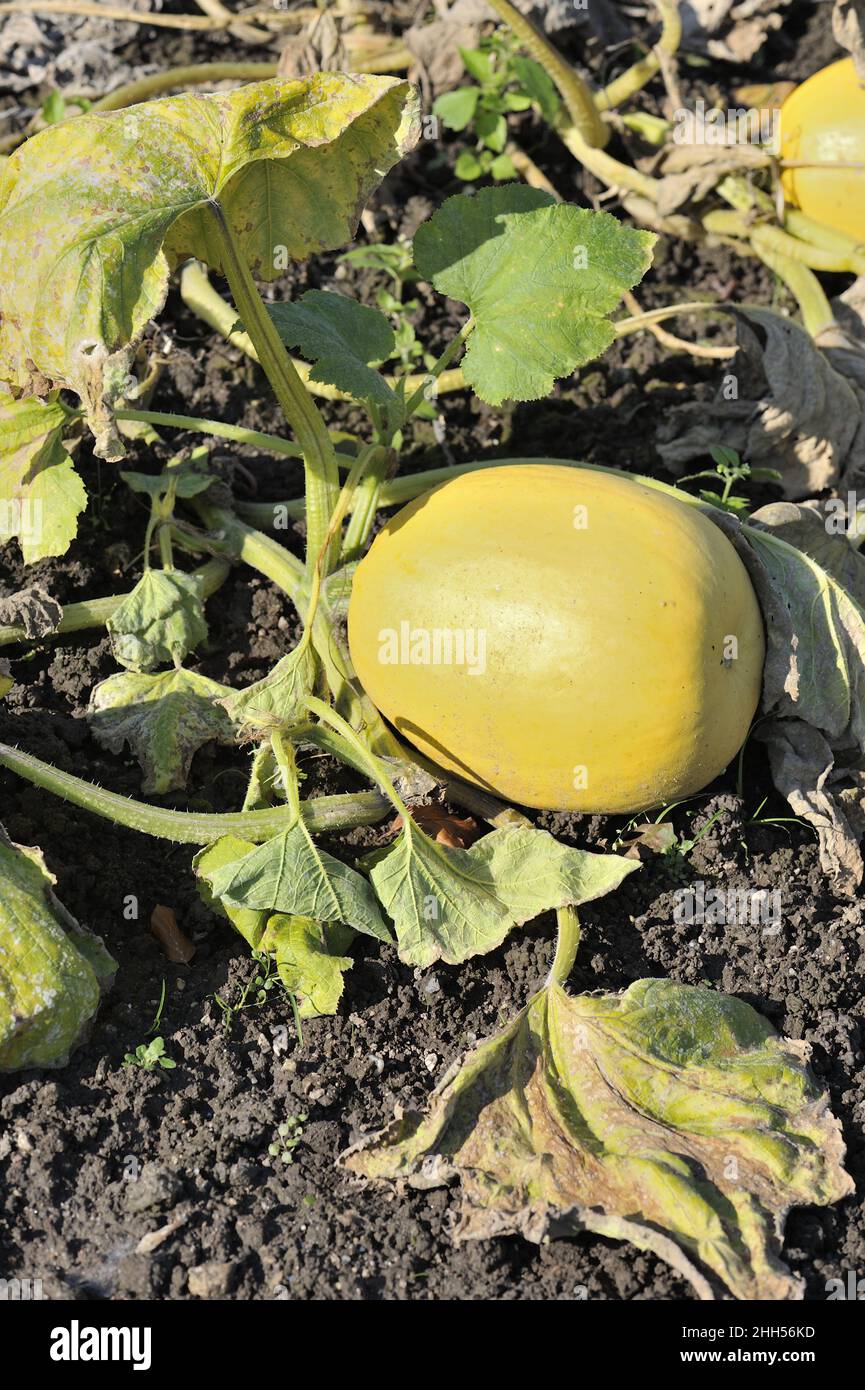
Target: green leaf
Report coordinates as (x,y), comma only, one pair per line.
(276,701)
(309,960)
(477,64)
(538,84)
(291,874)
(671,1117)
(41,495)
(341,337)
(159,622)
(450,904)
(52,971)
(96,212)
(503,168)
(188,482)
(492,129)
(468,166)
(165,719)
(539,278)
(230,849)
(456,109)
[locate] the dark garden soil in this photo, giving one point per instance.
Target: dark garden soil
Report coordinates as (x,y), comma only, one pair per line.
(94,1157)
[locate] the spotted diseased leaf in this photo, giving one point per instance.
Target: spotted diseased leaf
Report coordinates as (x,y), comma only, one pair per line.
(159,622)
(52,971)
(450,904)
(164,718)
(41,495)
(276,701)
(539,277)
(132,194)
(341,337)
(290,874)
(309,957)
(669,1116)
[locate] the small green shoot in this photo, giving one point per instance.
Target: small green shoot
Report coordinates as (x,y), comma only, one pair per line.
(288,1136)
(149,1055)
(729,469)
(504,82)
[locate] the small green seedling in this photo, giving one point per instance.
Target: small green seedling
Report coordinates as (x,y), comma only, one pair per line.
(253,993)
(149,1055)
(729,469)
(289,1135)
(504,82)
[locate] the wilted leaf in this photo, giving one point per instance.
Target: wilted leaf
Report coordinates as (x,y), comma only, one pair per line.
(32,609)
(276,701)
(798,408)
(539,277)
(164,718)
(52,971)
(309,958)
(671,1117)
(341,337)
(458,832)
(811,586)
(159,622)
(657,837)
(130,194)
(291,874)
(41,495)
(450,904)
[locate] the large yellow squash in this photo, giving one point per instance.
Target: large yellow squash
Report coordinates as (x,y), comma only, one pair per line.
(562,637)
(823,121)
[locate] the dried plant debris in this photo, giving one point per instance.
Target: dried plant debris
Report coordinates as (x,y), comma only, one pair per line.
(848,27)
(810,580)
(669,1116)
(727,30)
(32,609)
(84,54)
(782,402)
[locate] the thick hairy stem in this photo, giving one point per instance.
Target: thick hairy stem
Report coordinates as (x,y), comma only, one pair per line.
(566,946)
(320,813)
(95,612)
(575,93)
(242,542)
(321,474)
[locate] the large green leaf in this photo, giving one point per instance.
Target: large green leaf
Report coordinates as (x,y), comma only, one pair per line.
(341,337)
(291,874)
(94,212)
(41,495)
(52,971)
(668,1116)
(164,718)
(450,904)
(540,277)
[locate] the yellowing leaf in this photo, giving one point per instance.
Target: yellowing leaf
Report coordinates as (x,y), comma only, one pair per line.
(669,1116)
(308,958)
(94,212)
(52,971)
(41,495)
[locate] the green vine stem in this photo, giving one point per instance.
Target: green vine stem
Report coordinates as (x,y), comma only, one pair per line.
(95,612)
(321,474)
(236,433)
(203,300)
(633,80)
(175,79)
(578,99)
(567,943)
(322,813)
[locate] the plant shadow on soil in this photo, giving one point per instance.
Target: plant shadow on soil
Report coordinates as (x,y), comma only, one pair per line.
(95,1156)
